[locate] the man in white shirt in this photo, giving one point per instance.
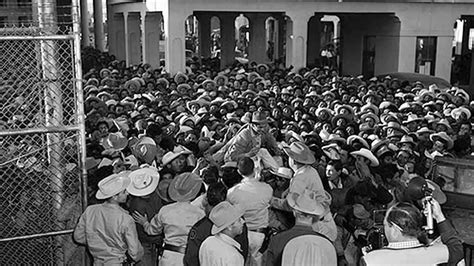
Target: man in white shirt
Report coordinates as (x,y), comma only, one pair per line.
(254,197)
(221,249)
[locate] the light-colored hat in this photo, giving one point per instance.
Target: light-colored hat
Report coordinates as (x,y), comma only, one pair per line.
(443,136)
(259,118)
(143,181)
(112,185)
(367,154)
(184,187)
(299,152)
(171,155)
(117,141)
(306,202)
(284,172)
(456,112)
(352,138)
(145,150)
(223,215)
(407,139)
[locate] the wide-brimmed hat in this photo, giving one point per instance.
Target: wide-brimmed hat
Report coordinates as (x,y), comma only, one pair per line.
(143,181)
(444,122)
(162,190)
(299,152)
(171,155)
(456,112)
(116,141)
(145,150)
(352,138)
(223,215)
(370,115)
(424,130)
(412,118)
(184,187)
(443,137)
(306,202)
(259,118)
(407,139)
(284,172)
(367,154)
(112,185)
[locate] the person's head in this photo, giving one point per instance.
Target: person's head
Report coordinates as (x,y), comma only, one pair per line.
(155,132)
(333,170)
(246,166)
(216,193)
(465,129)
(226,219)
(113,188)
(404,222)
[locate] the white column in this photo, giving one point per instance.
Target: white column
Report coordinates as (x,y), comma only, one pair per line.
(84,24)
(152,37)
(98,25)
(127,50)
(299,38)
(175,40)
(143,35)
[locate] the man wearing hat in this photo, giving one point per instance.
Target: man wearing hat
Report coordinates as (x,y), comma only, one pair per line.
(306,177)
(215,194)
(143,183)
(176,219)
(222,249)
(107,229)
(306,208)
(254,141)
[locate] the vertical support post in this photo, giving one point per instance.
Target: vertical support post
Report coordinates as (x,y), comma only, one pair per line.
(257,43)
(127,49)
(143,35)
(227,39)
(98,25)
(84,23)
(204,35)
(53,107)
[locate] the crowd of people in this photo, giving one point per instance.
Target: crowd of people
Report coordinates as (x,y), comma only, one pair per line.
(260,165)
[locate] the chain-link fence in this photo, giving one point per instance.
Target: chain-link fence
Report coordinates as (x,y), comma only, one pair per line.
(41,134)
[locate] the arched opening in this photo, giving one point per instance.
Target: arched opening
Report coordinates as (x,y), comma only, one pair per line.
(323,41)
(242,38)
(271,38)
(191,34)
(215,37)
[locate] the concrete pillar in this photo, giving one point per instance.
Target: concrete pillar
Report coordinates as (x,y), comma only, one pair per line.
(204,35)
(134,37)
(257,44)
(152,39)
(175,39)
(289,42)
(116,38)
(280,50)
(99,37)
(84,24)
(227,39)
(299,38)
(143,34)
(127,49)
(314,40)
(443,56)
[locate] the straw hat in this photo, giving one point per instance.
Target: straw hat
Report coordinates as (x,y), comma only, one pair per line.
(367,154)
(171,155)
(284,172)
(299,152)
(112,185)
(442,136)
(307,202)
(143,181)
(259,118)
(116,141)
(184,187)
(223,215)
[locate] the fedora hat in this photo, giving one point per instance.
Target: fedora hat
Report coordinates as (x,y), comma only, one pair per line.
(259,118)
(184,187)
(284,172)
(424,130)
(223,215)
(412,118)
(367,154)
(145,150)
(299,152)
(143,181)
(112,185)
(171,155)
(370,115)
(445,122)
(407,139)
(306,202)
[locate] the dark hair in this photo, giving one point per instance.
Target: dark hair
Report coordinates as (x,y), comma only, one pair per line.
(153,130)
(230,176)
(245,166)
(337,164)
(409,219)
(210,174)
(216,193)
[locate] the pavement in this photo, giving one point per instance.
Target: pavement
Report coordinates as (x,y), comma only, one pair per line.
(463,222)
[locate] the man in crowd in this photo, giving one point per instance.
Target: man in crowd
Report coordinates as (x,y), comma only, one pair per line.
(108,230)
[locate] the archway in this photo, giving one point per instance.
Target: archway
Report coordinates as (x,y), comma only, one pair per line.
(191,33)
(271,38)
(215,37)
(242,38)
